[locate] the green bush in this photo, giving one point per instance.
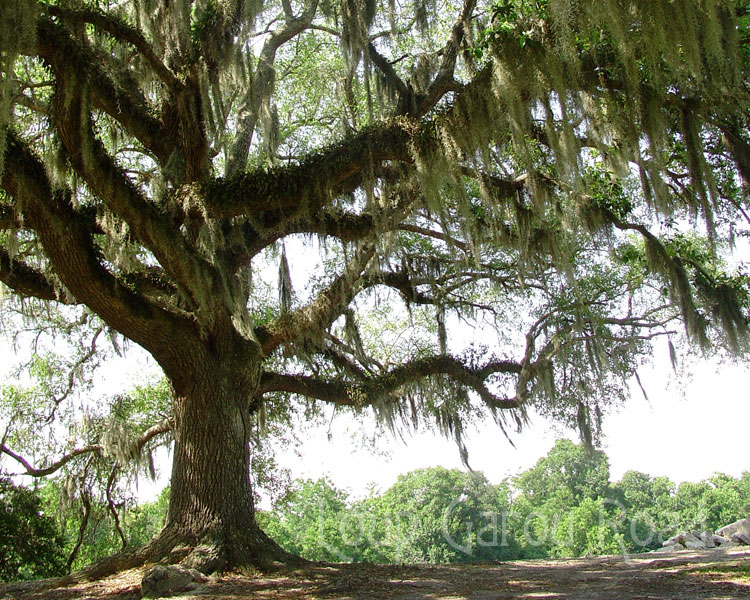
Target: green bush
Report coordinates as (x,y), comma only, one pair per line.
(30,545)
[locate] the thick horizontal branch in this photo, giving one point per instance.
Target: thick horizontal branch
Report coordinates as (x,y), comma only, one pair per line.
(308,184)
(266,227)
(139,443)
(376,388)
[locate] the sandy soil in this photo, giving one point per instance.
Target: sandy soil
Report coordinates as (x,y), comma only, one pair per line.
(679,576)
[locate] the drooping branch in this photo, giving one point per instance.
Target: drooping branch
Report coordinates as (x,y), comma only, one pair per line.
(57,400)
(28,281)
(673,271)
(379,387)
(85,514)
(153,431)
(112,508)
(406,104)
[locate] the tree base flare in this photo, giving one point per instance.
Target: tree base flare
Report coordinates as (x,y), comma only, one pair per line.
(210,553)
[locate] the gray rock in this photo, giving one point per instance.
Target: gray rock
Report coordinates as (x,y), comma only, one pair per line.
(741,526)
(163,580)
(708,539)
(697,545)
(741,538)
(720,540)
(687,540)
(730,544)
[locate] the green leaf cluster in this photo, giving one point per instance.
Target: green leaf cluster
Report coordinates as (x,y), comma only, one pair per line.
(31,546)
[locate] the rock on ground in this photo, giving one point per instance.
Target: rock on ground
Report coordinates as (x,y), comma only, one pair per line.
(742,526)
(164,580)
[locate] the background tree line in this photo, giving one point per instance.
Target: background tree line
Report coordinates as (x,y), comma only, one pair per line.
(564,506)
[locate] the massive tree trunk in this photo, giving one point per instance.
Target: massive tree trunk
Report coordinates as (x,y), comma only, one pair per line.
(211,506)
(211,518)
(211,511)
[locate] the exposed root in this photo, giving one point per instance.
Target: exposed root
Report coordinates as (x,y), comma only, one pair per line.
(159,548)
(249,546)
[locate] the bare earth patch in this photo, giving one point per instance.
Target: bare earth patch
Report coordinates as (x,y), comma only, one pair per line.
(685,576)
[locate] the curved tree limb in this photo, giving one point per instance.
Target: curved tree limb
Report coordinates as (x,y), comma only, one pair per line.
(444,80)
(56,47)
(376,388)
(108,181)
(321,311)
(29,281)
(162,427)
(262,85)
(71,251)
(113,509)
(307,184)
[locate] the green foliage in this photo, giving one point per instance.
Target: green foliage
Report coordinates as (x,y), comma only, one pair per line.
(309,521)
(567,473)
(143,522)
(607,191)
(441,515)
(30,544)
(564,506)
(139,522)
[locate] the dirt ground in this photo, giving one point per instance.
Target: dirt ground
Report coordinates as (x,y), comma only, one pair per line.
(679,576)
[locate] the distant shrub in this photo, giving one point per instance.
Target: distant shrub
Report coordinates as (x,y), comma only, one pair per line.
(30,544)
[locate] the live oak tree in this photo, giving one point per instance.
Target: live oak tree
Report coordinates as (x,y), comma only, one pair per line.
(565,173)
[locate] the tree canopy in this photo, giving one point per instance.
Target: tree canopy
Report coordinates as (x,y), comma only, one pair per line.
(569,177)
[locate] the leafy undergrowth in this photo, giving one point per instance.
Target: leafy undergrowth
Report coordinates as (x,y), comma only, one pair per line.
(688,576)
